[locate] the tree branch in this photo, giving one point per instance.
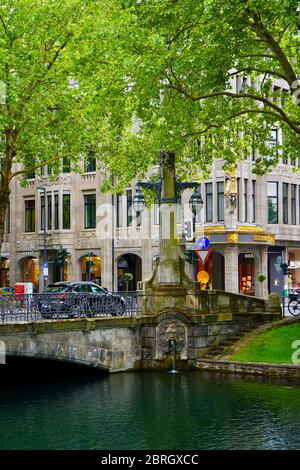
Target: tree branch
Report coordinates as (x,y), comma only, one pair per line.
(256,25)
(263,56)
(255,69)
(61,47)
(233,116)
(4,25)
(182,30)
(39,165)
(281,114)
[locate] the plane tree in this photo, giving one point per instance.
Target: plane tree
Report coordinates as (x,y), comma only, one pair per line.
(53,109)
(209,79)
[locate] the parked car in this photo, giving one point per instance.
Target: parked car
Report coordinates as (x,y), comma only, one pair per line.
(74,299)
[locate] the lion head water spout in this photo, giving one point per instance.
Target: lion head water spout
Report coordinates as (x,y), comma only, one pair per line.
(173,356)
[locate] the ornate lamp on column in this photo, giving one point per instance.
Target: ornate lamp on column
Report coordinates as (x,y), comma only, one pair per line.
(169,268)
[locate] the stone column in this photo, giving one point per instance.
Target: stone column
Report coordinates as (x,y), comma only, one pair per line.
(169,252)
(263,291)
(232,268)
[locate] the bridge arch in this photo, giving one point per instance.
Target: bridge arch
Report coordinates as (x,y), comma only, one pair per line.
(51,351)
(104,343)
(65,360)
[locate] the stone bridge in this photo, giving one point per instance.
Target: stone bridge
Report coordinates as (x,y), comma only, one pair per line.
(142,342)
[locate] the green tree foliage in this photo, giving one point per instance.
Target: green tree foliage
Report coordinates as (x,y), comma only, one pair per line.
(182,57)
(125,79)
(53,86)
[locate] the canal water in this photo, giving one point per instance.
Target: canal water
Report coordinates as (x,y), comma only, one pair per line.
(145,410)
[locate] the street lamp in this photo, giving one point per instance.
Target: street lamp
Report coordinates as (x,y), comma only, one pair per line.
(45,267)
(195,204)
(139,202)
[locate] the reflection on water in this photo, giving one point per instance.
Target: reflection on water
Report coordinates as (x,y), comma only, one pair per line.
(149,410)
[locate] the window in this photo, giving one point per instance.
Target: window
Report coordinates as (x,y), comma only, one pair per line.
(90,211)
(119,210)
(209,202)
(90,163)
(30,215)
(42,212)
(49,211)
(66,165)
(253,200)
(299,203)
(66,211)
(56,212)
(238,197)
(272,142)
(30,175)
(157,212)
(178,212)
(293,204)
(285,203)
(129,207)
(220,200)
(245,196)
(272,202)
(238,83)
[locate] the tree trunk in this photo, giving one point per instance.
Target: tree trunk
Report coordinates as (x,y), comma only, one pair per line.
(4,201)
(5,176)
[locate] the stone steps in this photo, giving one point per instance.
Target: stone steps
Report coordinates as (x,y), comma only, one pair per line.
(218,349)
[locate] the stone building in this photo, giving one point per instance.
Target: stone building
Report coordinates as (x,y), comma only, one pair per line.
(252,223)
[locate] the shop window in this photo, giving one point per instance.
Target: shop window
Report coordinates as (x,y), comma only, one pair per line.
(91,269)
(246,274)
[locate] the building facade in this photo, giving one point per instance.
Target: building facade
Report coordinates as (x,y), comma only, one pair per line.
(253,223)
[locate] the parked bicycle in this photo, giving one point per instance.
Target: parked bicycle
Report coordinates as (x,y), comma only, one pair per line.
(294,305)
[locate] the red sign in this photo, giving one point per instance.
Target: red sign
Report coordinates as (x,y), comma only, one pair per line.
(203,255)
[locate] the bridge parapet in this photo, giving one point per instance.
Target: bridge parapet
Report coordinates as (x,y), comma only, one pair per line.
(208,302)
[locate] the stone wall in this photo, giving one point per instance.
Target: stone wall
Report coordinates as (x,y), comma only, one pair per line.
(102,343)
(124,343)
(253,368)
(193,335)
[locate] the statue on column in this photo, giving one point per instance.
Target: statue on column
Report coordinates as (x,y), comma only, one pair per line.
(231,195)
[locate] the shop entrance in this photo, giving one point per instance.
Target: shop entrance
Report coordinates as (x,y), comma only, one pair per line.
(129,264)
(246,274)
(31,271)
(91,268)
(4,272)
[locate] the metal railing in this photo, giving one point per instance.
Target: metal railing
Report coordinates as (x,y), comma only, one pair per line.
(36,307)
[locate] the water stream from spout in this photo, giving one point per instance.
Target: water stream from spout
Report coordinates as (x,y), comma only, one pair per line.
(173,356)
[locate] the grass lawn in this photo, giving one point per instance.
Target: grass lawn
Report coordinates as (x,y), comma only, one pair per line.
(271,346)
